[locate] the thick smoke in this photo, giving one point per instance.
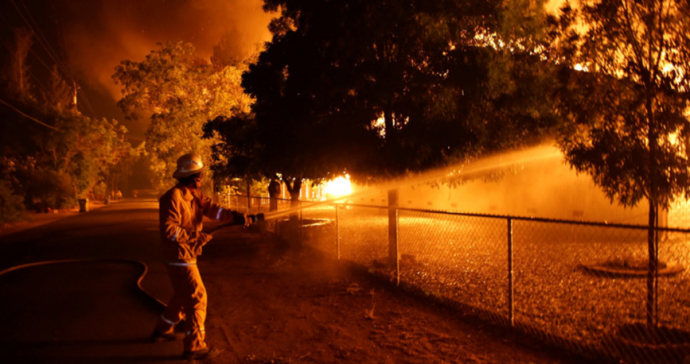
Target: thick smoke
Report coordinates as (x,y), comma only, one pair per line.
(100,34)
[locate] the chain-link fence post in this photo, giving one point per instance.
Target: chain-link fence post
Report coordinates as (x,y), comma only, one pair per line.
(301,240)
(393,254)
(570,293)
(337,234)
(511,313)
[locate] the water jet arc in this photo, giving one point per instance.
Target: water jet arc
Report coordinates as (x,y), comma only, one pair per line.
(480,166)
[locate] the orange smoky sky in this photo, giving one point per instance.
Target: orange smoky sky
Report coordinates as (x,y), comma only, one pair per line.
(93,36)
(86,39)
(98,34)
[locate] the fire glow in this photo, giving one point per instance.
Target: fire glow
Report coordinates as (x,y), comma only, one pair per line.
(339,187)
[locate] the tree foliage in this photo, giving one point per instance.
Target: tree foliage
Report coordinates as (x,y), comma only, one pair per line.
(11,205)
(17,72)
(235,148)
(424,69)
(73,155)
(181,92)
(628,112)
(629,124)
(52,154)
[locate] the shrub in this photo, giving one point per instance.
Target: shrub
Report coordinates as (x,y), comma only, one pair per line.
(11,206)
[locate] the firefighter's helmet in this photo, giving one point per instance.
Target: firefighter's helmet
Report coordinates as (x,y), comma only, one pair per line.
(188,165)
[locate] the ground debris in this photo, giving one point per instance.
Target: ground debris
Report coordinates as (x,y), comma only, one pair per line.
(353,288)
(322,312)
(369,314)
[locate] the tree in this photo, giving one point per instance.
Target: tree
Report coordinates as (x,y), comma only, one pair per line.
(235,147)
(67,155)
(17,69)
(181,92)
(59,94)
(87,149)
(52,154)
(629,128)
(11,205)
(493,93)
(333,68)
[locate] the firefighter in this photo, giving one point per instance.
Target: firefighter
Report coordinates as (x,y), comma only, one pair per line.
(182,210)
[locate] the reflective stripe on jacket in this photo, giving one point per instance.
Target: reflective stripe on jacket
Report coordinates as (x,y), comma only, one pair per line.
(181,221)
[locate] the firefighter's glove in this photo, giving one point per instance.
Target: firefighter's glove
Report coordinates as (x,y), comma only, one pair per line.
(253,219)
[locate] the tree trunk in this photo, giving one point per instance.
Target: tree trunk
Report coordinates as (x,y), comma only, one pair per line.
(652,218)
(249,193)
(294,190)
(653,265)
(273,192)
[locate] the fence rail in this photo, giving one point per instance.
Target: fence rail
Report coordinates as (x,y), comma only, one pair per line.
(581,285)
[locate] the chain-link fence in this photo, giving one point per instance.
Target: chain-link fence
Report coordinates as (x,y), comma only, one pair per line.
(253,204)
(584,286)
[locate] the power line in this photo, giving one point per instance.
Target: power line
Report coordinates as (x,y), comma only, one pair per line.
(42,61)
(38,81)
(52,127)
(9,47)
(40,84)
(38,28)
(27,116)
(43,41)
(86,102)
(34,78)
(4,20)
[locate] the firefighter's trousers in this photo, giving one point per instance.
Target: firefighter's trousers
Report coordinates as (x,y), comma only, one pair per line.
(188,303)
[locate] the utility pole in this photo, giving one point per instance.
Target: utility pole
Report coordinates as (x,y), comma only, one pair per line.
(73,104)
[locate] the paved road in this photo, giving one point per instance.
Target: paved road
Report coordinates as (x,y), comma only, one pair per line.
(84,312)
(269,304)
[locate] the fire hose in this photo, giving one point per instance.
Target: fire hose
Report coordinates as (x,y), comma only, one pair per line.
(144,270)
(252,219)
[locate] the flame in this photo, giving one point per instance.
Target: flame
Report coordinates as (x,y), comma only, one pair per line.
(339,187)
(379,124)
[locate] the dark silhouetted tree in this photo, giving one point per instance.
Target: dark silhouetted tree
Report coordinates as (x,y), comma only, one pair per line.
(333,68)
(52,154)
(17,69)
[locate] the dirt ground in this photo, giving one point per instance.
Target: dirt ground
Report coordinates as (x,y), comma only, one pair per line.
(273,303)
(270,302)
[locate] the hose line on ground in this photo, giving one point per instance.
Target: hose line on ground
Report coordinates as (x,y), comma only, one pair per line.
(155,301)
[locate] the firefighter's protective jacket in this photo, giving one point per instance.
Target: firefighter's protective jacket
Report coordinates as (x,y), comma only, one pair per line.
(181,222)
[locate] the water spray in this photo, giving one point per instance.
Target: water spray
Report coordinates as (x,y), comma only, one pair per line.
(480,166)
(483,165)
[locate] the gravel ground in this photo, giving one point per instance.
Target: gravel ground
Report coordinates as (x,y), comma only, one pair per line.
(465,259)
